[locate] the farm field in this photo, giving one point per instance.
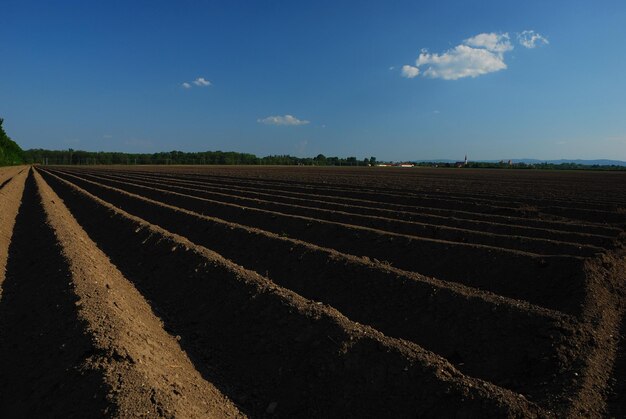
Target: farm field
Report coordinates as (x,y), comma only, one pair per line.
(256,291)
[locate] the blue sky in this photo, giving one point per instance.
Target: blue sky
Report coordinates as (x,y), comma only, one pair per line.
(399,80)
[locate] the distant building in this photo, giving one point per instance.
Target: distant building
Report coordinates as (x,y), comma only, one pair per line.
(461,163)
(395,165)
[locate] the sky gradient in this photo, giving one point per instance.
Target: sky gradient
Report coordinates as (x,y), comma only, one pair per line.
(399,80)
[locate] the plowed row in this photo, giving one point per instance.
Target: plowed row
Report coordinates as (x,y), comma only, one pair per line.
(295,292)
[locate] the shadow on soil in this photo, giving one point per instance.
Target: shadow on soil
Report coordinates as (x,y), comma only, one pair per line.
(616,401)
(42,344)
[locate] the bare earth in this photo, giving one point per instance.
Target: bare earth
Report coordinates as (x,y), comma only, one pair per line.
(311,292)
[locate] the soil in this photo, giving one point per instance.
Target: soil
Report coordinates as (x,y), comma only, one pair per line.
(311,292)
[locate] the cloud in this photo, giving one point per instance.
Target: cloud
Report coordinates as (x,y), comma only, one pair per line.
(282,120)
(461,61)
(200,81)
(409,71)
(494,42)
(531,39)
(475,56)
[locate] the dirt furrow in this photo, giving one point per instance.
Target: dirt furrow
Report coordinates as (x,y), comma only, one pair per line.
(10,200)
(418,229)
(604,312)
(548,185)
(489,216)
(539,280)
(470,203)
(364,192)
(277,352)
(447,202)
(516,346)
(7,173)
(311,201)
(508,183)
(616,398)
(83,342)
(45,353)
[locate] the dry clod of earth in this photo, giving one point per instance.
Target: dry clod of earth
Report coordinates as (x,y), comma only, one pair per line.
(311,292)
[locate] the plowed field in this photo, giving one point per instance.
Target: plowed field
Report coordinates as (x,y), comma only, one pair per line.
(311,292)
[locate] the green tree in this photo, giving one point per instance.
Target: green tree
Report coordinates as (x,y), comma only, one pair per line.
(10,152)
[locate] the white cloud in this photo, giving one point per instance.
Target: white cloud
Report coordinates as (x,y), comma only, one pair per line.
(200,81)
(494,42)
(409,71)
(531,39)
(461,61)
(282,120)
(475,56)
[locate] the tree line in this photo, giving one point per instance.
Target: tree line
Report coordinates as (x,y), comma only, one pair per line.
(10,152)
(80,157)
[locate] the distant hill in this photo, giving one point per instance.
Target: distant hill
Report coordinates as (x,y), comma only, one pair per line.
(10,152)
(598,162)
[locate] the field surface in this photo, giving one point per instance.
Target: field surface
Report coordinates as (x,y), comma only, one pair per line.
(311,292)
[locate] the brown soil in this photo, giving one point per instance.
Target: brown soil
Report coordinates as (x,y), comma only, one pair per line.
(78,339)
(419,229)
(10,200)
(527,215)
(219,291)
(494,192)
(447,318)
(377,202)
(530,277)
(43,347)
(268,345)
(209,188)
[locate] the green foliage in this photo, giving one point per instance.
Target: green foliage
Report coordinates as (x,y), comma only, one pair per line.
(10,152)
(79,157)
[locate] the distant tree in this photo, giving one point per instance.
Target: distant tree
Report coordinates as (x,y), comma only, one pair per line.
(320,160)
(10,152)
